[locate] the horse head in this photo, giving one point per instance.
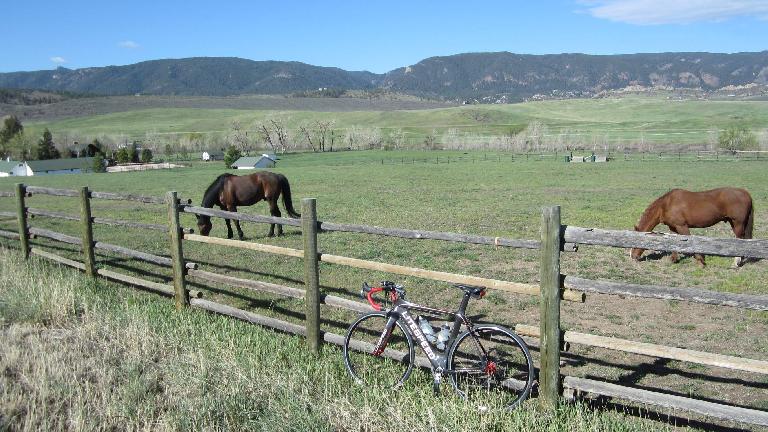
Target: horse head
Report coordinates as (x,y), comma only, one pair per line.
(204,224)
(635,253)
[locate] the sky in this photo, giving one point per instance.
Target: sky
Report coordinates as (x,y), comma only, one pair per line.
(363,35)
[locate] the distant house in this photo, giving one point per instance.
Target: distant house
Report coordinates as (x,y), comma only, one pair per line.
(14,168)
(249,162)
(61,166)
(213,155)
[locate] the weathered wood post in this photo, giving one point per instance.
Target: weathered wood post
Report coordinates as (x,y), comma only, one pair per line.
(21,215)
(549,373)
(177,253)
(311,272)
(87,226)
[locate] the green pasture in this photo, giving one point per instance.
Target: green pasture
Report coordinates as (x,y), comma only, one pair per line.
(483,193)
(617,121)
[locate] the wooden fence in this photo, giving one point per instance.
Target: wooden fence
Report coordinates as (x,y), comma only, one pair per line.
(553,287)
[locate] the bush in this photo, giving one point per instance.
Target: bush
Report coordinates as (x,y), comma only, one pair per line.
(737,138)
(146,156)
(231,156)
(99,164)
(123,156)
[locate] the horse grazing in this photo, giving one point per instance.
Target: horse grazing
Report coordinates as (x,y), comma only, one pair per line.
(680,210)
(229,191)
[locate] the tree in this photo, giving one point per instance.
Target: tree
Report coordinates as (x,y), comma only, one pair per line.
(146,156)
(99,164)
(11,128)
(231,156)
(45,147)
(123,155)
(737,138)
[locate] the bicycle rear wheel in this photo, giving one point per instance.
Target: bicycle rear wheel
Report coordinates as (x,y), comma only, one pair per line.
(495,369)
(389,368)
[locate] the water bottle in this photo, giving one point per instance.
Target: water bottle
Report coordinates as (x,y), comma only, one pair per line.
(443,336)
(427,329)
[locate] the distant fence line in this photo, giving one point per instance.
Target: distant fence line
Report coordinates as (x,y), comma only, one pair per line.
(552,287)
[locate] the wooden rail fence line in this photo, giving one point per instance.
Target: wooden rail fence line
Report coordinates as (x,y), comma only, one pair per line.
(513,287)
(556,238)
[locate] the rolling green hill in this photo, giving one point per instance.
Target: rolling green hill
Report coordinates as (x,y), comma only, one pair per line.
(613,121)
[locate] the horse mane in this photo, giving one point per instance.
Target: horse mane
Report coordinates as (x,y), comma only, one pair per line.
(211,195)
(648,213)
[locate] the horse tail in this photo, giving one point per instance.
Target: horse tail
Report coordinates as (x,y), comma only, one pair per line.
(286,189)
(750,221)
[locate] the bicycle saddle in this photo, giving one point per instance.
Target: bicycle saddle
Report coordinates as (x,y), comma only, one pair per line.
(474,291)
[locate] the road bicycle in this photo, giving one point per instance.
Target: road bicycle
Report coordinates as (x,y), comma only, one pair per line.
(485,362)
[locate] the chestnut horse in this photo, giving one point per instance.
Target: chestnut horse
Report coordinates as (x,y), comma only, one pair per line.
(229,191)
(680,210)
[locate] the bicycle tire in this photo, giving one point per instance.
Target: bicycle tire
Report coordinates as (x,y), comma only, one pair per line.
(503,376)
(389,369)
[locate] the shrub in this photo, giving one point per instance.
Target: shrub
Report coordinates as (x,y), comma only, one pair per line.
(737,138)
(146,155)
(123,156)
(231,156)
(99,164)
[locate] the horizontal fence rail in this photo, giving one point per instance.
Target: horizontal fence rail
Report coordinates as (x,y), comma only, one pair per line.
(142,256)
(513,287)
(667,401)
(159,288)
(366,229)
(204,211)
(730,247)
(693,295)
(100,221)
(98,195)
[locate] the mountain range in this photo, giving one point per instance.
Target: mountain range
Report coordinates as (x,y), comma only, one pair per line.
(489,77)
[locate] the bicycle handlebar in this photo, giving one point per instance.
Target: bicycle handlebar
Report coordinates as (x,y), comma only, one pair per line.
(394,291)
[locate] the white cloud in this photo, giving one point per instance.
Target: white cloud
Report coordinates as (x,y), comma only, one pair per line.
(58,60)
(128,44)
(651,12)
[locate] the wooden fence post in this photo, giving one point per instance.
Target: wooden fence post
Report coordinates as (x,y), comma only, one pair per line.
(177,253)
(21,215)
(549,373)
(87,225)
(311,272)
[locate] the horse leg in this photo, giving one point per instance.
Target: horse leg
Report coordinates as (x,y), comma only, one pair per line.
(674,257)
(740,231)
(233,209)
(683,230)
(275,211)
(229,225)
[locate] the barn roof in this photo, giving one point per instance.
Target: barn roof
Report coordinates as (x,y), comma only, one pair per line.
(8,166)
(85,163)
(250,160)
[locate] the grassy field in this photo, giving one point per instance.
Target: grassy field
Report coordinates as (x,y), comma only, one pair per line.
(80,355)
(616,121)
(486,197)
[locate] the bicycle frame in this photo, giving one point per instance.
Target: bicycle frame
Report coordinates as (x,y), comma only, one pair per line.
(400,310)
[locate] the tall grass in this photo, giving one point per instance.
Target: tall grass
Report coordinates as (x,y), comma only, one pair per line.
(89,355)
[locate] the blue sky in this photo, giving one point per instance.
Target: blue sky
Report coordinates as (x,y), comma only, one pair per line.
(362,35)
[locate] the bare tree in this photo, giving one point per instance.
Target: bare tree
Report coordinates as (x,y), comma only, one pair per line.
(238,136)
(308,136)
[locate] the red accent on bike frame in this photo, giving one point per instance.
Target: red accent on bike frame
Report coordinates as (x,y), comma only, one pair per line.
(369,296)
(381,345)
(490,368)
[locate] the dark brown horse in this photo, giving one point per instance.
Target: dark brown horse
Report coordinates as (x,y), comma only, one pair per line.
(229,191)
(681,209)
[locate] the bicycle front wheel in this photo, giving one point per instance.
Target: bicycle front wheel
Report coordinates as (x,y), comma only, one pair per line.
(370,366)
(491,366)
